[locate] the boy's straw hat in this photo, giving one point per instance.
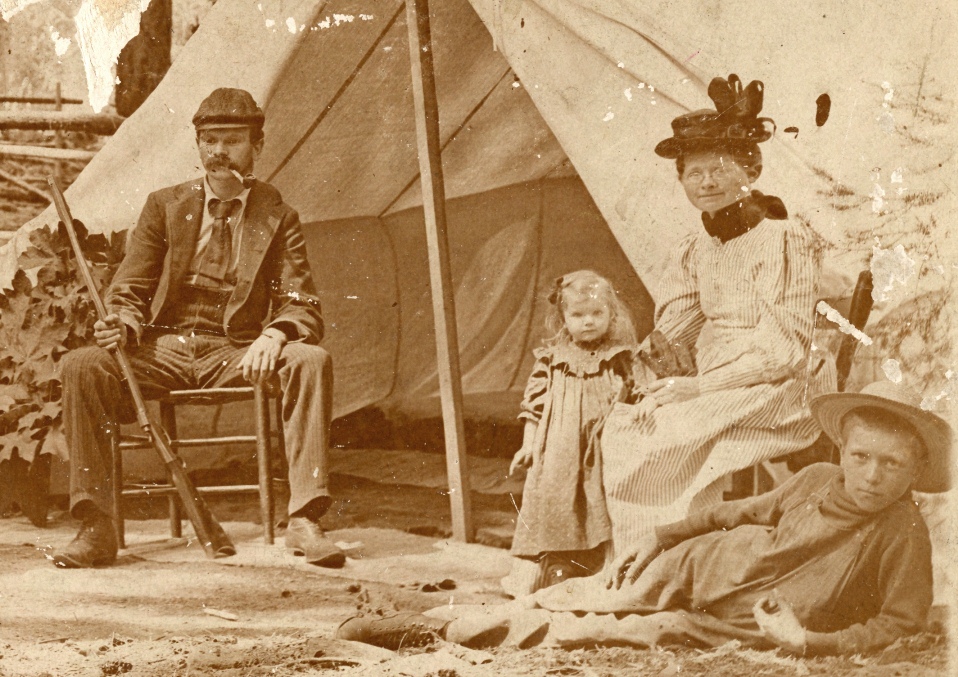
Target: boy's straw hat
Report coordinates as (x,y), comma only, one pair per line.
(830,410)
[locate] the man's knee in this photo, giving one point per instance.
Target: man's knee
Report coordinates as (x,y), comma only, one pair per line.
(304,358)
(84,365)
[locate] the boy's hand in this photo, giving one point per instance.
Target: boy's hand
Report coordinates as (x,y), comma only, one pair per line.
(778,621)
(521,461)
(259,362)
(110,332)
(630,565)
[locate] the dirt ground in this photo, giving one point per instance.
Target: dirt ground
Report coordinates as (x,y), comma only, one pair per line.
(166,610)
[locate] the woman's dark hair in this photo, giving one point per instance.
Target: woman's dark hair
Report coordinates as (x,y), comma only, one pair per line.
(747,155)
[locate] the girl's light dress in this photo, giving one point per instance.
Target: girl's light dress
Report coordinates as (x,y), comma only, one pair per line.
(570,391)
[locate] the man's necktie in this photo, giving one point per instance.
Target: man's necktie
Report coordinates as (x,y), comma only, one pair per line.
(219,250)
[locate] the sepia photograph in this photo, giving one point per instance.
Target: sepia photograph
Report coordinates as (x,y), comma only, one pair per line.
(454,338)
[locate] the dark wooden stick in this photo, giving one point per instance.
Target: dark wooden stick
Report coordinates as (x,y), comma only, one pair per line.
(6,176)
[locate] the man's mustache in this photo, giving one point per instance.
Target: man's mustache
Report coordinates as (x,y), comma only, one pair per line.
(218,161)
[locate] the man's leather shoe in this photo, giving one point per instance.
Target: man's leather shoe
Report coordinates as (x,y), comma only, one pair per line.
(305,537)
(395,631)
(95,545)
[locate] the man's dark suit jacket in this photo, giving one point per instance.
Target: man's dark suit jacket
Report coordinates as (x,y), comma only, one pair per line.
(274,285)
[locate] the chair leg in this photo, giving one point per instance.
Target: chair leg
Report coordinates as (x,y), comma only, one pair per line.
(168,420)
(263,458)
(117,487)
(280,435)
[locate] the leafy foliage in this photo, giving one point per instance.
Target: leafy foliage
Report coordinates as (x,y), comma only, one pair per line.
(47,313)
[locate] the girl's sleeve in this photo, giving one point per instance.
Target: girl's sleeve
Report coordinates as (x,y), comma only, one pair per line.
(785,293)
(537,389)
(905,584)
(678,314)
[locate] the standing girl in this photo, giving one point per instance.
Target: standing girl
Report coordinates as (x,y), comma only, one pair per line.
(563,528)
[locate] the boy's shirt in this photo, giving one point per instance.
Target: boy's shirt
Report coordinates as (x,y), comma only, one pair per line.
(857,580)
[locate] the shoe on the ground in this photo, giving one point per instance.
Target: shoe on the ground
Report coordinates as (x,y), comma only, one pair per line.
(95,545)
(556,573)
(305,538)
(403,629)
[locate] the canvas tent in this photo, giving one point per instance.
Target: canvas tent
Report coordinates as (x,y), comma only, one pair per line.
(549,110)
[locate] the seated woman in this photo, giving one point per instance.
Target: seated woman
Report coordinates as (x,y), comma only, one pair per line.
(739,295)
(837,560)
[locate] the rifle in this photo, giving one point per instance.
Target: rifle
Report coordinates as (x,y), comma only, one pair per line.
(215,541)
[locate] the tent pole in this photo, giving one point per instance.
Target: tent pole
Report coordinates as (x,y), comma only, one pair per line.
(443,305)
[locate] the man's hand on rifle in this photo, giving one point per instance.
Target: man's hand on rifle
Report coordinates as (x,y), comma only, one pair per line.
(259,362)
(110,332)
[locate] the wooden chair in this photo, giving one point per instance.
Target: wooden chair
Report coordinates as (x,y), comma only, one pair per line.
(263,440)
(823,449)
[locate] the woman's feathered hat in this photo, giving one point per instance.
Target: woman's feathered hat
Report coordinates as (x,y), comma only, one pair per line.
(734,121)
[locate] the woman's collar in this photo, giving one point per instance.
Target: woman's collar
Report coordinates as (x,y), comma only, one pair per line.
(740,217)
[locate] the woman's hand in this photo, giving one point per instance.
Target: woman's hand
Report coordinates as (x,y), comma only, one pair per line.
(630,565)
(521,461)
(778,621)
(674,389)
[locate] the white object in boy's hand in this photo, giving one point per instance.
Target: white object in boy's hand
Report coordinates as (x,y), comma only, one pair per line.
(779,623)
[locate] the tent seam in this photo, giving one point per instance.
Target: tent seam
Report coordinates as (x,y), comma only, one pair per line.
(448,141)
(535,283)
(339,93)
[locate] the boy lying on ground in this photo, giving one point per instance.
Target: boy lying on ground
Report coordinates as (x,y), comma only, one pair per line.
(837,560)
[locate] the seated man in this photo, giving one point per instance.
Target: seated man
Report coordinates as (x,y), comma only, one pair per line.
(837,560)
(215,290)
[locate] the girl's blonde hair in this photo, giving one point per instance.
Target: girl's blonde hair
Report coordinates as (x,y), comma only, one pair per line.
(588,283)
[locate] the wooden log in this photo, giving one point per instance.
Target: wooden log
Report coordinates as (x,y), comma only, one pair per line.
(46,152)
(443,306)
(23,184)
(104,124)
(37,99)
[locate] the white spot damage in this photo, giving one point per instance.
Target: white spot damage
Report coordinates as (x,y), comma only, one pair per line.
(878,198)
(892,369)
(60,45)
(291,25)
(844,325)
(951,388)
(628,93)
(103,29)
(890,267)
(886,120)
(339,19)
(8,8)
(608,116)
